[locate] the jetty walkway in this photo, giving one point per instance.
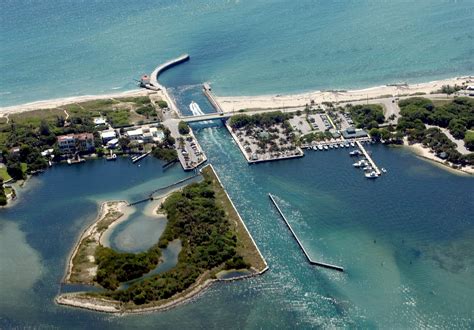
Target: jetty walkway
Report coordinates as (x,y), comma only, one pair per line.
(366,154)
(163,67)
(311,261)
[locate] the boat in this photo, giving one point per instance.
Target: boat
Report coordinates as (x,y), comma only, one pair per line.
(371,175)
(320,147)
(314,148)
(346,145)
(384,170)
(352,144)
(111,157)
(357,164)
(354,153)
(336,146)
(341,145)
(326,147)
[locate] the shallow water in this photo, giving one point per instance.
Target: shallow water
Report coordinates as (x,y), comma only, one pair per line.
(404,239)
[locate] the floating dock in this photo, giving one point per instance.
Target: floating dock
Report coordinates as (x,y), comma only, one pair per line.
(138,158)
(366,154)
(311,261)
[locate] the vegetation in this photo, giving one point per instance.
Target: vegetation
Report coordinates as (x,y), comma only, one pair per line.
(162,104)
(367,116)
(183,128)
(27,134)
(264,120)
(116,267)
(457,116)
(208,242)
(3,196)
(469,140)
(165,150)
(448,89)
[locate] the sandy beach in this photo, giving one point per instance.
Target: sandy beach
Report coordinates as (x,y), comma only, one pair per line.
(235,103)
(425,153)
(54,103)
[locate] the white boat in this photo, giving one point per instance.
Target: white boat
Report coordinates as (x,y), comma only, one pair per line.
(111,157)
(358,164)
(336,146)
(326,147)
(320,147)
(354,153)
(384,170)
(371,175)
(346,145)
(314,148)
(341,145)
(352,144)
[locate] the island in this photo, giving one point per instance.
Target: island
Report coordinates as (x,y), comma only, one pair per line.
(215,243)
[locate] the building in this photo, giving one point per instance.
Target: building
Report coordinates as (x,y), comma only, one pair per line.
(100,121)
(144,80)
(106,136)
(146,134)
(352,133)
(71,143)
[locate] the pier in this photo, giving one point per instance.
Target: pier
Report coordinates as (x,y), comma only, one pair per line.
(207,91)
(366,154)
(165,66)
(311,261)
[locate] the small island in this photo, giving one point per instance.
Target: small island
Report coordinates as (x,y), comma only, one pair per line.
(214,239)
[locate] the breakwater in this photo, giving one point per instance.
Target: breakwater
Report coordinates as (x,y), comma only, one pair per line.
(165,66)
(311,261)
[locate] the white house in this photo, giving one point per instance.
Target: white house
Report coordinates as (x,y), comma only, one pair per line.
(106,136)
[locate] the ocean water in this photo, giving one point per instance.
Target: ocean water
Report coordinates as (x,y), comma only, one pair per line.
(405,240)
(51,49)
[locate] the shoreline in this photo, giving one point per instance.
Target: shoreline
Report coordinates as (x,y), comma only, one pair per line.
(270,101)
(424,153)
(58,102)
(100,304)
(264,101)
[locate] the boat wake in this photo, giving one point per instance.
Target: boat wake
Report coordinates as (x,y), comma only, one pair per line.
(195,109)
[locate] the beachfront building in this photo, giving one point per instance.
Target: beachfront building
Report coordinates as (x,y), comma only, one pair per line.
(146,134)
(106,136)
(71,143)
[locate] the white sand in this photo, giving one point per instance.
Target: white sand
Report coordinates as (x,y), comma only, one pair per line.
(425,153)
(235,103)
(54,103)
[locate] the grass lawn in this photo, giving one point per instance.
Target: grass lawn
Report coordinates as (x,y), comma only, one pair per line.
(4,174)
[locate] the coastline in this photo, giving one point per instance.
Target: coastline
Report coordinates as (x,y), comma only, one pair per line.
(424,153)
(269,101)
(100,304)
(266,101)
(58,102)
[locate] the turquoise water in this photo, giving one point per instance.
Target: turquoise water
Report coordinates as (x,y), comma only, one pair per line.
(60,48)
(405,239)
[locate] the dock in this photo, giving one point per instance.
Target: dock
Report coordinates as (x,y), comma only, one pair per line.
(366,154)
(311,261)
(138,158)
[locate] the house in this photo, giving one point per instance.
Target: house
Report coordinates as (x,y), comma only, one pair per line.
(71,143)
(100,121)
(106,136)
(146,134)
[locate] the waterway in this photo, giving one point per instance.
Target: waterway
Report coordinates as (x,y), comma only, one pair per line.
(58,48)
(405,241)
